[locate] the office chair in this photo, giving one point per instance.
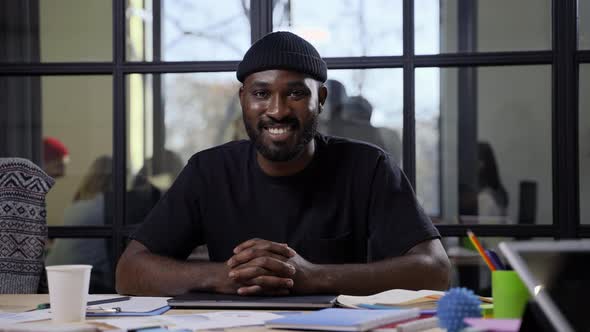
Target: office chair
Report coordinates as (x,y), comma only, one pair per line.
(23,226)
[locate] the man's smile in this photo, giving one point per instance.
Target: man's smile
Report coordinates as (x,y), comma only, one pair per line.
(279,132)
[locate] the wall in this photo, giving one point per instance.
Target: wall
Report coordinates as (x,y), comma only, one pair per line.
(76,109)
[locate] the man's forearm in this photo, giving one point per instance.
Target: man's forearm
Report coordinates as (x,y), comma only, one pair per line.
(407,272)
(149,274)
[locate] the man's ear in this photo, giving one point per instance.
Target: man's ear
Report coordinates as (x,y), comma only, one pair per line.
(322,97)
(241,96)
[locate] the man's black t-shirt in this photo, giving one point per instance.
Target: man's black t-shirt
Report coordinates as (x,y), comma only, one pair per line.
(351,204)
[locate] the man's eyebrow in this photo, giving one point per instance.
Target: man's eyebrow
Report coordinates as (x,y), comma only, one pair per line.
(296,84)
(259,84)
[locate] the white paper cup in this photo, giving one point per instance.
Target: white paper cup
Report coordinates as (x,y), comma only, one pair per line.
(68,292)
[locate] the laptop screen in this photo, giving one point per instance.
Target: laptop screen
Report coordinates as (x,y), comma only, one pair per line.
(565,276)
(558,274)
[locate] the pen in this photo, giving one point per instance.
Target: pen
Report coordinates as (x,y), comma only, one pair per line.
(157,329)
(480,250)
(103,310)
(148,329)
(495,259)
(111,300)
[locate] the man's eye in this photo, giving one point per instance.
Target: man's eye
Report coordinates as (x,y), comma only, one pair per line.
(297,93)
(260,94)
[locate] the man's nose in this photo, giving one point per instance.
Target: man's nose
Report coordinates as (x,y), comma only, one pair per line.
(278,108)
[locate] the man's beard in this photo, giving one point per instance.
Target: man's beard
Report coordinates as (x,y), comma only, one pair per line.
(281,151)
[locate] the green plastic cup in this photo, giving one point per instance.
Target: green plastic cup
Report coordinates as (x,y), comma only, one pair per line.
(509,293)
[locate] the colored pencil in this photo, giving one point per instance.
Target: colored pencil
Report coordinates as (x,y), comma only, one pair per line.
(480,250)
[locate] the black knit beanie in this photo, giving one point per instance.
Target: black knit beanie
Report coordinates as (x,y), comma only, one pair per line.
(282,50)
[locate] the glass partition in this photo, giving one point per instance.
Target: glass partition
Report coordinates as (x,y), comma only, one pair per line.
(342,29)
(187,30)
(493,129)
(450,26)
(56,31)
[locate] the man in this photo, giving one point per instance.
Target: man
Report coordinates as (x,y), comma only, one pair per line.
(290,211)
(55,157)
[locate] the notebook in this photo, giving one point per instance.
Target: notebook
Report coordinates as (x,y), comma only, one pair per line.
(338,319)
(200,300)
(423,299)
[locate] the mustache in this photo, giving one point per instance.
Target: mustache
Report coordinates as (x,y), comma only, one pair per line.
(269,122)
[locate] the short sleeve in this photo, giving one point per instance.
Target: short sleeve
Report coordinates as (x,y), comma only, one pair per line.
(397,222)
(173,228)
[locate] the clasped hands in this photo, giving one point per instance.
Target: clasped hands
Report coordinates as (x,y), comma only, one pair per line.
(261,267)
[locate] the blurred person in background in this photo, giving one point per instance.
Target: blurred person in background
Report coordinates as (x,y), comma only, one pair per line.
(88,209)
(55,157)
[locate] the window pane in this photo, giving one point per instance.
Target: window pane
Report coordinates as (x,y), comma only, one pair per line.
(584,144)
(449,26)
(494,142)
(428,138)
(340,29)
(64,124)
(199,111)
(55,31)
(190,30)
(584,24)
(96,252)
(366,105)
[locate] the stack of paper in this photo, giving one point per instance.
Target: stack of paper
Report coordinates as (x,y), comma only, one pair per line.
(396,298)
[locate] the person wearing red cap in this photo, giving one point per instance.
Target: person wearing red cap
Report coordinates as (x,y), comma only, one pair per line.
(55,157)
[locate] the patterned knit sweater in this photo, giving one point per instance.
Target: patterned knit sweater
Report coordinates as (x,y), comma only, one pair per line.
(23,228)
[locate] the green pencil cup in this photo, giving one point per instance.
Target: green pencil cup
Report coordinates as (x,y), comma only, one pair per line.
(509,293)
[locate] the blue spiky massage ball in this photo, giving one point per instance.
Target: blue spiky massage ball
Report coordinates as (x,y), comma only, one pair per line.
(456,304)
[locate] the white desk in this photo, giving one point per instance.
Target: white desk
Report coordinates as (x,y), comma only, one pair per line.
(24,302)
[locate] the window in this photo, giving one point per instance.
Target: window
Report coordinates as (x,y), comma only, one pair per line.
(143,81)
(450,26)
(584,143)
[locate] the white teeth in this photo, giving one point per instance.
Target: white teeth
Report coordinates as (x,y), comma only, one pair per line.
(278,131)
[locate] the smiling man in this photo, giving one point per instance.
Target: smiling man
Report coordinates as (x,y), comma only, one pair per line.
(290,211)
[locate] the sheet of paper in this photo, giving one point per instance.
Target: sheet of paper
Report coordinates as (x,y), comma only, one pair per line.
(390,297)
(500,325)
(222,319)
(7,318)
(211,320)
(134,322)
(135,304)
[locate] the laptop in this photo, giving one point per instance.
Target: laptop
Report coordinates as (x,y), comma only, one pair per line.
(198,300)
(557,276)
